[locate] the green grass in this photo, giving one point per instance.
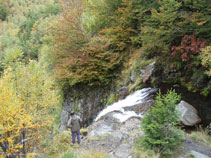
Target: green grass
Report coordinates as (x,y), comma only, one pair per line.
(69,155)
(201,137)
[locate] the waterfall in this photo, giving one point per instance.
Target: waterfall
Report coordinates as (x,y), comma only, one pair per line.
(136,98)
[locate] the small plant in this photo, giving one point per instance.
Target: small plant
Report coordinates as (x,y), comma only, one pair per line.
(160,133)
(69,155)
(112,98)
(205,91)
(206,59)
(190,46)
(140,152)
(208,129)
(190,155)
(93,154)
(202,136)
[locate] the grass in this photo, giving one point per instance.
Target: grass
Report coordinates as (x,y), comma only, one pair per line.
(143,153)
(201,137)
(61,147)
(92,154)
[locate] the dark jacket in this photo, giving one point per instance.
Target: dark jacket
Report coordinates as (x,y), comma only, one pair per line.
(74,123)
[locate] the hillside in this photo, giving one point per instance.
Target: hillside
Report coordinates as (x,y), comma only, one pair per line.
(58,56)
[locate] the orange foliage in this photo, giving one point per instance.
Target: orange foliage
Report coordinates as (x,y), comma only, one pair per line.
(79,58)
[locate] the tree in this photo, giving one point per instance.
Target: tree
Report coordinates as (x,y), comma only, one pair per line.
(160,133)
(13,117)
(28,99)
(79,57)
(3,10)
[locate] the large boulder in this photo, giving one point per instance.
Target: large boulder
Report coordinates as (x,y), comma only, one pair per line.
(189,115)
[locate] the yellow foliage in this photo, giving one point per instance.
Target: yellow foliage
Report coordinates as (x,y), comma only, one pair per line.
(27,97)
(206,59)
(13,118)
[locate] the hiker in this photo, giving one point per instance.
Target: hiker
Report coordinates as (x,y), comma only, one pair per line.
(74,123)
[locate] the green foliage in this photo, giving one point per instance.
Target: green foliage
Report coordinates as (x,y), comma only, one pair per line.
(30,34)
(33,94)
(78,58)
(99,13)
(69,155)
(12,58)
(3,11)
(206,59)
(165,24)
(112,98)
(123,26)
(160,133)
(160,30)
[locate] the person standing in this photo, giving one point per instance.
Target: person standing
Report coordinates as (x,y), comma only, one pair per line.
(74,123)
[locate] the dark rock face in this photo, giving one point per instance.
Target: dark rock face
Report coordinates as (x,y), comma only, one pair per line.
(86,104)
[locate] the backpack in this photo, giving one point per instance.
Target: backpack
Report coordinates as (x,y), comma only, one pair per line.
(69,125)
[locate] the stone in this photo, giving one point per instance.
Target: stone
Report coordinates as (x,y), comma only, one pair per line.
(123,151)
(123,92)
(189,115)
(133,76)
(198,155)
(146,73)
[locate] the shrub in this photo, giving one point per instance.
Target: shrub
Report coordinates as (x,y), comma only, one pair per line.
(190,46)
(160,133)
(69,155)
(202,136)
(3,11)
(206,59)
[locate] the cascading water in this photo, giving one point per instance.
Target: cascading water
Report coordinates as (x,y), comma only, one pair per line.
(134,99)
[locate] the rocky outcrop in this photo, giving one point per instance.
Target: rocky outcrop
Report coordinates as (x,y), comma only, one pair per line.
(146,73)
(123,92)
(189,115)
(86,103)
(118,126)
(192,149)
(114,138)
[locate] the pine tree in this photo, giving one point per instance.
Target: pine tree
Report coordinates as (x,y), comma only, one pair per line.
(160,133)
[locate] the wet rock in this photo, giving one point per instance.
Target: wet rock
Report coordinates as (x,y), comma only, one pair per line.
(112,137)
(189,115)
(102,127)
(123,92)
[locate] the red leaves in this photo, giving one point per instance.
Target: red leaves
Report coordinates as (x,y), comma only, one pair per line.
(189,47)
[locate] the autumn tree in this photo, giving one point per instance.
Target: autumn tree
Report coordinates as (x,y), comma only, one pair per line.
(28,99)
(3,10)
(81,58)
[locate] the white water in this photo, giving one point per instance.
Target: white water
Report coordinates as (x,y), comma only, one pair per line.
(131,100)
